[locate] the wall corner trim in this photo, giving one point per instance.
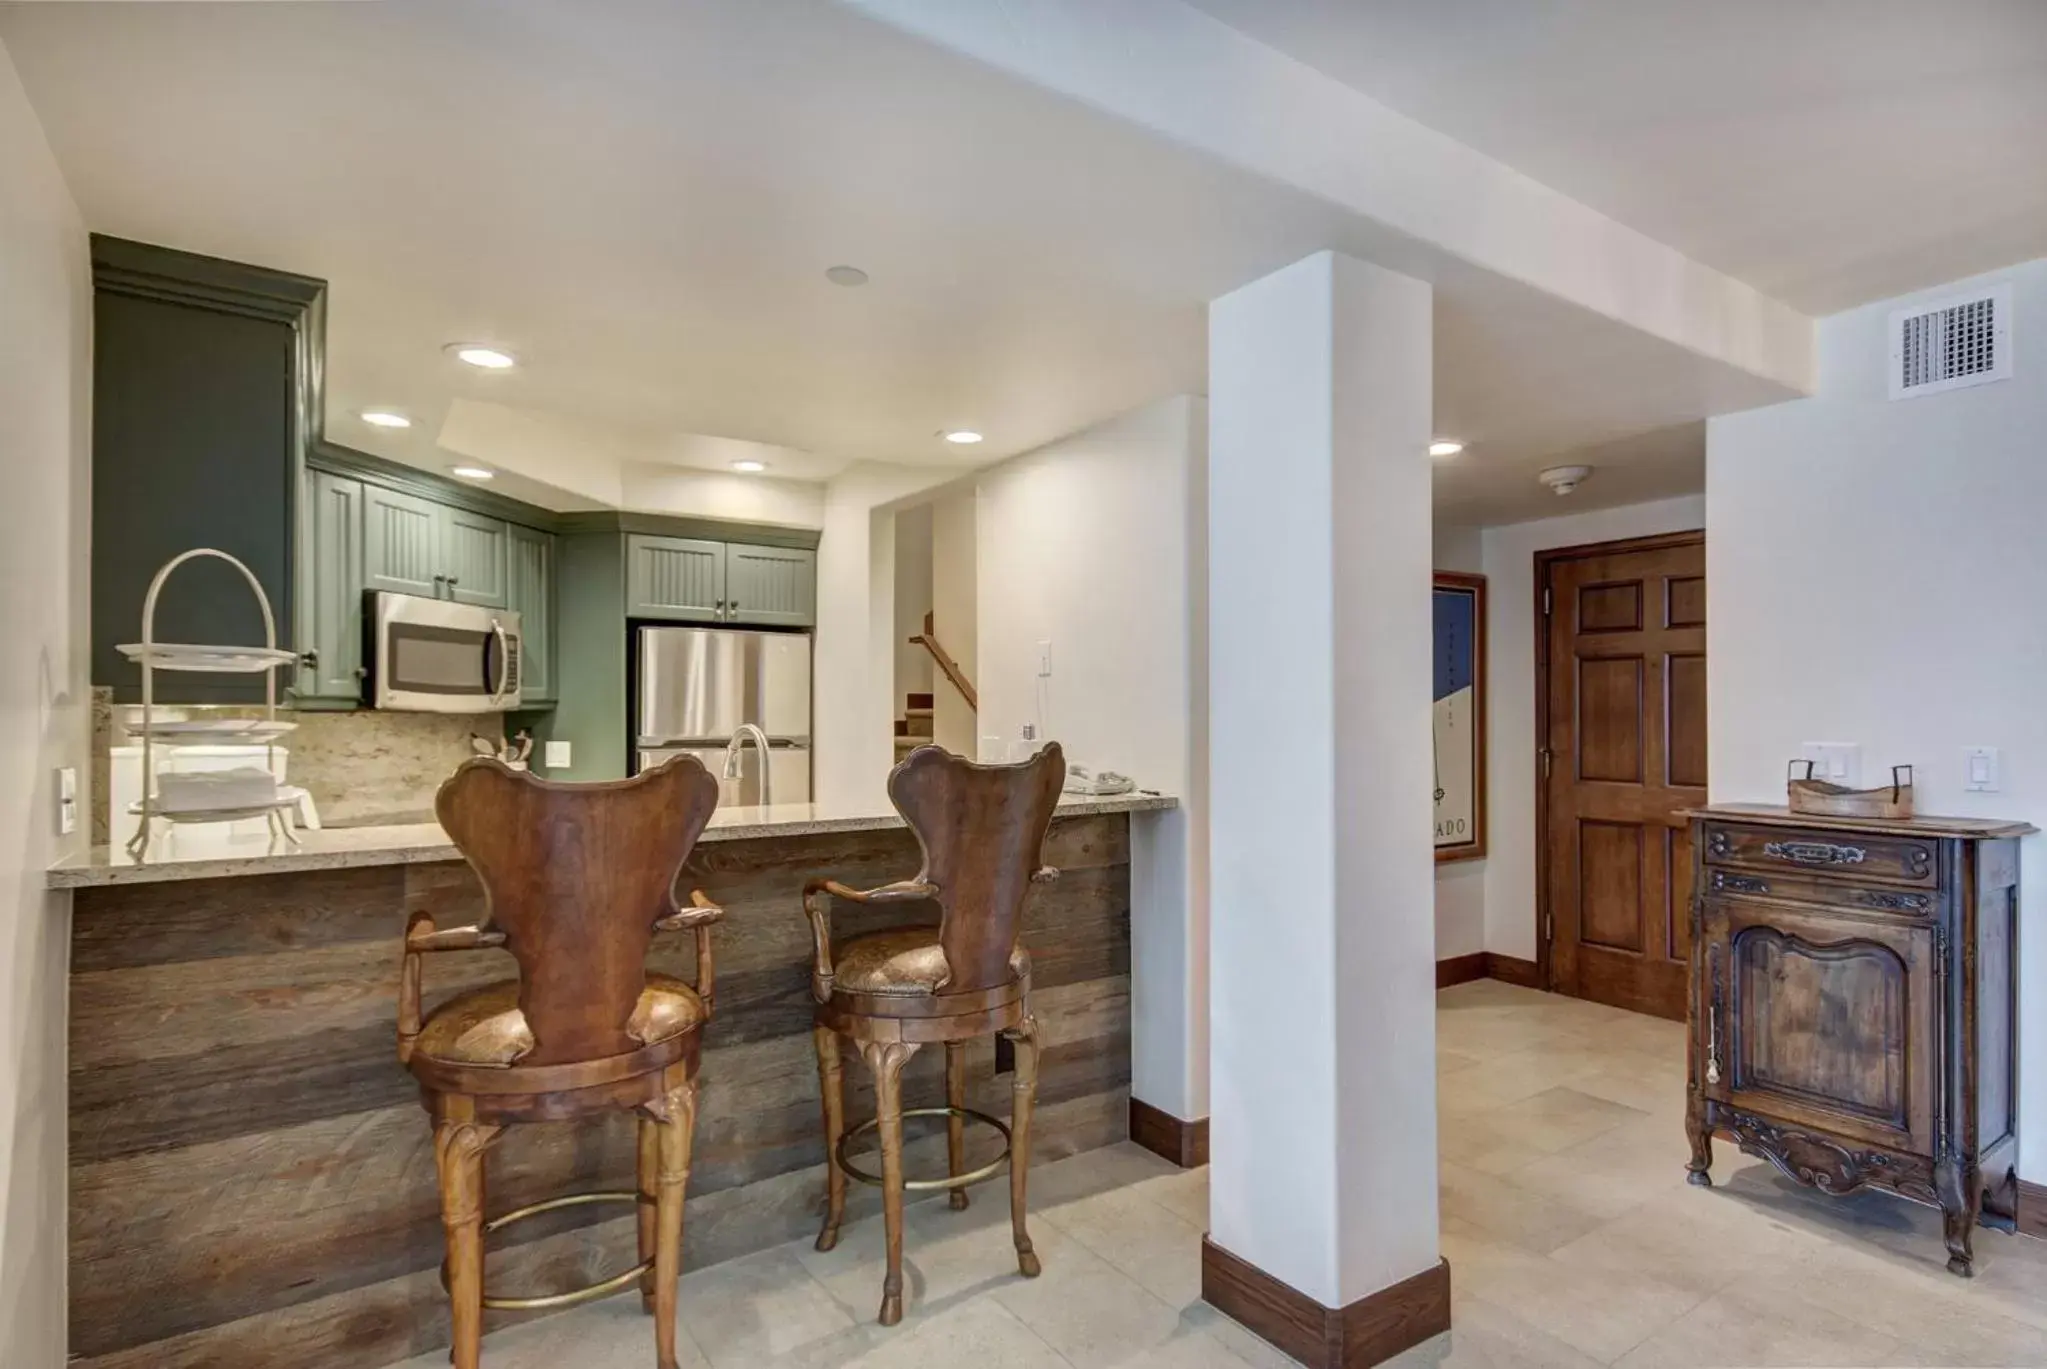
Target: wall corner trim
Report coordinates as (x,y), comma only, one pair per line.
(1369,1331)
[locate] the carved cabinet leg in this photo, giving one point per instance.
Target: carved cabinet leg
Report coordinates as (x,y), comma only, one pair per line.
(1699,1132)
(887,1059)
(677,1118)
(458,1154)
(1960,1190)
(1024,1099)
(956,1125)
(831,1086)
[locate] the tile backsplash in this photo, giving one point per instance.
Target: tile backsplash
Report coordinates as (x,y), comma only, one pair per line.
(361,767)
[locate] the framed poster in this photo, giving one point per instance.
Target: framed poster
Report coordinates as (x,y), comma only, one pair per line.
(1460,716)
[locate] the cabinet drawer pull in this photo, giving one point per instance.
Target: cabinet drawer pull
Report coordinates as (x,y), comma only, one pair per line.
(1897,903)
(1740,884)
(1814,852)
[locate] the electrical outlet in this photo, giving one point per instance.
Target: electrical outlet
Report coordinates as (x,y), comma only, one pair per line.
(1835,762)
(557,756)
(1980,770)
(67,801)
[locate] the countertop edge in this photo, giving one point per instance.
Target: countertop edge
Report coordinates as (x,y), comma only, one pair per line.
(80,875)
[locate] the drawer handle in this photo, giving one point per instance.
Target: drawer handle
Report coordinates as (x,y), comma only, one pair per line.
(1897,903)
(1740,884)
(1814,852)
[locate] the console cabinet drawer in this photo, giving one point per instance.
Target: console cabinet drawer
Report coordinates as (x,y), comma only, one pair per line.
(1823,854)
(1798,886)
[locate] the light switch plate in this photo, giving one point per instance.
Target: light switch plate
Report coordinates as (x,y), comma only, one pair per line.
(1045,659)
(557,756)
(1835,762)
(1980,770)
(67,801)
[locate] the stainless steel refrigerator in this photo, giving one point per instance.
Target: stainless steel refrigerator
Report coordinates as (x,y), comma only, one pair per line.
(695,686)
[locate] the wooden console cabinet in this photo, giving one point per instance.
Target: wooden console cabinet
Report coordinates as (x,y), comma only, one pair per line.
(1853,1005)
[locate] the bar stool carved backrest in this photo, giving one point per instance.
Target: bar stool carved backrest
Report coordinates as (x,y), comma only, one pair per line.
(577,878)
(982,829)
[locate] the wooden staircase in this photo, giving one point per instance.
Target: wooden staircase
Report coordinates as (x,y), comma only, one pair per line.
(914,728)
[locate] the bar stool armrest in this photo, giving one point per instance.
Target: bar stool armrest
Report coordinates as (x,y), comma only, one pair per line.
(421,938)
(1045,874)
(698,918)
(817,906)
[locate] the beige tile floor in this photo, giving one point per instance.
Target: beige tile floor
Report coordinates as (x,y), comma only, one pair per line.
(1572,1237)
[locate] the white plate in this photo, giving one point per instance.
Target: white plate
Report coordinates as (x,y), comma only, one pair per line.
(218,729)
(223,660)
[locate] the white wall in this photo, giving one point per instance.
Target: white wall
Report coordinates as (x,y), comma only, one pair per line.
(913,600)
(956,614)
(1460,884)
(1097,543)
(45,408)
(684,492)
(1510,679)
(1875,574)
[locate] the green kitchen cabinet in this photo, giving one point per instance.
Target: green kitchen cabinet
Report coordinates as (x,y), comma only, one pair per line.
(770,586)
(402,543)
(681,579)
(333,602)
(531,591)
(473,557)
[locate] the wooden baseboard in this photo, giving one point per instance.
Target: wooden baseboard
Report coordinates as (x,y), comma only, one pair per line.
(1460,969)
(1161,1133)
(1509,970)
(2033,1210)
(1369,1331)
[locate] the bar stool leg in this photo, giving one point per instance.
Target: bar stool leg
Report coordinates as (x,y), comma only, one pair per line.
(676,1130)
(458,1155)
(649,1187)
(831,1086)
(956,1125)
(1024,1098)
(886,1059)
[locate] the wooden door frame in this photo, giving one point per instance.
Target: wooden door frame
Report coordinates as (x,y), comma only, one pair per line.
(1546,561)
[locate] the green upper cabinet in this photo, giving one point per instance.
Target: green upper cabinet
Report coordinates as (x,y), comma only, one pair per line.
(402,542)
(677,578)
(473,557)
(334,562)
(770,586)
(531,592)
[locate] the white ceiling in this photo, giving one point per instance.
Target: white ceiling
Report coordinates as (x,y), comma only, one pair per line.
(640,197)
(1827,152)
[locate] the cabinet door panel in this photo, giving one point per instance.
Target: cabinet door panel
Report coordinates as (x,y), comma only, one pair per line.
(401,542)
(473,557)
(1827,1020)
(772,586)
(334,556)
(532,594)
(677,578)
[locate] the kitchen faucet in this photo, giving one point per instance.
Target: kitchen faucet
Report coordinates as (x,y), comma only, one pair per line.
(760,739)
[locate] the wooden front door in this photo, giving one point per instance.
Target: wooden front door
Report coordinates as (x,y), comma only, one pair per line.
(1622,724)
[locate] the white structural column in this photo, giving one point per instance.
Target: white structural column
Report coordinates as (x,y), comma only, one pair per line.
(1322,1008)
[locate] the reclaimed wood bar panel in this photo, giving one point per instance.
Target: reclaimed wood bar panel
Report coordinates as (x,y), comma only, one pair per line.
(252,1178)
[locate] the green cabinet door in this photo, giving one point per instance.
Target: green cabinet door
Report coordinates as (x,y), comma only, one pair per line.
(334,559)
(770,586)
(532,594)
(473,557)
(677,578)
(402,542)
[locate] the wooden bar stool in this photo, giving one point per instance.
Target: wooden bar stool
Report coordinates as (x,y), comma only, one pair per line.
(982,828)
(577,878)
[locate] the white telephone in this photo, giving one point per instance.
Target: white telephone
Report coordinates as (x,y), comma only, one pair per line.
(1097,783)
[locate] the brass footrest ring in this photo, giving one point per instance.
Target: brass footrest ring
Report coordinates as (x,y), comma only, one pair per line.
(975,1176)
(587,1293)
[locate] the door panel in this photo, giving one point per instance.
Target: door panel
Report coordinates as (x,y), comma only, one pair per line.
(1625,734)
(531,592)
(677,578)
(334,525)
(401,542)
(473,558)
(1821,1016)
(772,586)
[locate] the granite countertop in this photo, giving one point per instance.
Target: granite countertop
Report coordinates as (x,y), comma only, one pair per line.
(342,848)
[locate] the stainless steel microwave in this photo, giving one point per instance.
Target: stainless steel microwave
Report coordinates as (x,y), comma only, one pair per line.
(435,656)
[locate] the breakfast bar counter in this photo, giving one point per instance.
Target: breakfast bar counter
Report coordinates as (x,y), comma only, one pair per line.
(252,1180)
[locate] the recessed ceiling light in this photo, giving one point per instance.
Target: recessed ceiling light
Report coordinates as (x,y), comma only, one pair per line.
(845,275)
(1445,446)
(474,472)
(750,467)
(489,358)
(384,418)
(963,437)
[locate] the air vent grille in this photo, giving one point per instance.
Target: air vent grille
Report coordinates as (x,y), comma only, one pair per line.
(1956,342)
